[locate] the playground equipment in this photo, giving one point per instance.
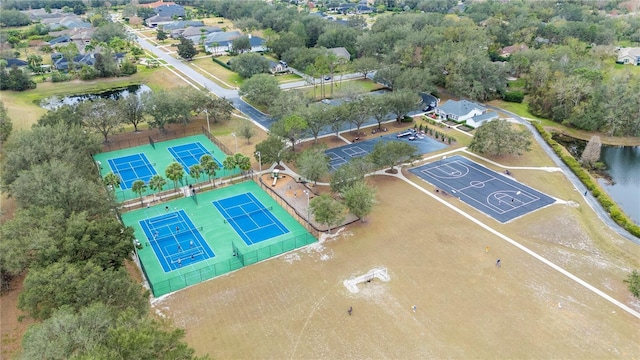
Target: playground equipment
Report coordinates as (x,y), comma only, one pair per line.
(275,175)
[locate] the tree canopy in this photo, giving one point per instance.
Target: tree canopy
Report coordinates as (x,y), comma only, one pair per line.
(498,137)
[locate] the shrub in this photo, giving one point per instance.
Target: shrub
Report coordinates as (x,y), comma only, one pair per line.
(513,96)
(58,76)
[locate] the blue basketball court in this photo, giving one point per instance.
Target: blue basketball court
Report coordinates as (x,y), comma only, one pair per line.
(189,154)
(341,155)
(131,168)
(175,240)
(249,218)
(494,194)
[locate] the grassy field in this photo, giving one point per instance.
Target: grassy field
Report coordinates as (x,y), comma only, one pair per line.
(23,106)
(221,75)
(436,259)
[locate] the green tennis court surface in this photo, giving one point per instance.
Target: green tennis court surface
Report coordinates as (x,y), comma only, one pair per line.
(141,162)
(217,234)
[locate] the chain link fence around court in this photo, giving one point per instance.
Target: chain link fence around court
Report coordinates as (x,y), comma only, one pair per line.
(193,277)
(293,211)
(143,139)
(253,256)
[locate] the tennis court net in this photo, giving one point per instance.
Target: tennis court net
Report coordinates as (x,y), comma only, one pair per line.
(247,214)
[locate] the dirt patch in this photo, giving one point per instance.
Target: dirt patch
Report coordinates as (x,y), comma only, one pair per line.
(11,327)
(295,306)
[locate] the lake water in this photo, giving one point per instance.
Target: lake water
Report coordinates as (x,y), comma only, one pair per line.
(623,164)
(55,102)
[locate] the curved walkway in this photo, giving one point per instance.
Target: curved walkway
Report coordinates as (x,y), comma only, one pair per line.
(577,184)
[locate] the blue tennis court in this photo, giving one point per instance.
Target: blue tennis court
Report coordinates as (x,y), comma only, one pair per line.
(494,194)
(131,168)
(189,154)
(249,218)
(341,155)
(175,240)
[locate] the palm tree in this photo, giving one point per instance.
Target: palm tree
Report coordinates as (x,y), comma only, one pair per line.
(112,181)
(209,166)
(139,187)
(243,162)
(229,163)
(175,173)
(157,182)
(195,171)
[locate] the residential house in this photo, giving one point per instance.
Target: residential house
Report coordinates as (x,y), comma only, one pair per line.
(219,43)
(16,62)
(157,4)
(257,43)
(277,68)
(197,34)
(165,14)
(61,63)
(170,10)
(39,14)
(465,111)
(512,49)
(60,41)
(341,53)
(629,56)
(181,24)
(479,120)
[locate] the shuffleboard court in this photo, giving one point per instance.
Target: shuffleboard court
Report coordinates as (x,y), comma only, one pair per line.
(341,155)
(131,168)
(175,240)
(494,194)
(249,218)
(189,154)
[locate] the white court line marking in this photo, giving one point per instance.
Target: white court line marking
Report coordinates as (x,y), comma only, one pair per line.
(529,251)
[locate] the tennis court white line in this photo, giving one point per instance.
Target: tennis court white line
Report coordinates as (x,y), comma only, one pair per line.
(527,250)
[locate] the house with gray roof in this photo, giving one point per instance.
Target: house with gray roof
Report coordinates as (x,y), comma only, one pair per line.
(341,53)
(181,24)
(217,42)
(630,56)
(479,120)
(465,111)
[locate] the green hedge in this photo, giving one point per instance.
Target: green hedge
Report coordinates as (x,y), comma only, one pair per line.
(603,198)
(223,64)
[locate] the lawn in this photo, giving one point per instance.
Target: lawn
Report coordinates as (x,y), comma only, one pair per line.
(221,75)
(23,106)
(436,259)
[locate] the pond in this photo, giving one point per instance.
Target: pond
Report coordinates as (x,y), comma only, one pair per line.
(623,166)
(55,102)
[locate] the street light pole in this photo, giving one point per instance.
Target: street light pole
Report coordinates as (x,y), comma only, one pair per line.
(259,162)
(235,137)
(308,198)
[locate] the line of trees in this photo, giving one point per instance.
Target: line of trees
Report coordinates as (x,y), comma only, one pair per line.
(566,67)
(350,191)
(158,109)
(66,239)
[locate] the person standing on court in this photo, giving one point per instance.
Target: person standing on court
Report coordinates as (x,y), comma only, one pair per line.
(498,263)
(350,310)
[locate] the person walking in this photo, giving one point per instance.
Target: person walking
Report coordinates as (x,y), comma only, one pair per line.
(498,264)
(414,308)
(350,310)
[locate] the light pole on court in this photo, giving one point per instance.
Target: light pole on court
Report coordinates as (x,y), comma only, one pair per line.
(259,162)
(308,202)
(235,137)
